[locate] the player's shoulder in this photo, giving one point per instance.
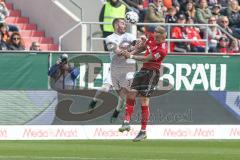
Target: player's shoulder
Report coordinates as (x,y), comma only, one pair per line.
(111,36)
(162,47)
(129,35)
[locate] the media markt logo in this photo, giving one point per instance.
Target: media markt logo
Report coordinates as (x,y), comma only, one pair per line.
(193,76)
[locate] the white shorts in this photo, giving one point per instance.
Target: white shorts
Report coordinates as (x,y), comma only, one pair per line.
(122,77)
(108,79)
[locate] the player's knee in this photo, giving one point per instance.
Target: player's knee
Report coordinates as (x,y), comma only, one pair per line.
(132,95)
(106,87)
(144,101)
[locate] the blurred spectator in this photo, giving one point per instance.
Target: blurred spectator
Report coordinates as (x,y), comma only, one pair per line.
(224,46)
(224,23)
(3,44)
(183,4)
(216,10)
(16,42)
(234,46)
(193,34)
(171,15)
(190,10)
(155,14)
(213,33)
(233,14)
(171,3)
(63,75)
(138,7)
(203,13)
(4,32)
(178,32)
(4,13)
(212,3)
(136,4)
(111,10)
(223,3)
(35,46)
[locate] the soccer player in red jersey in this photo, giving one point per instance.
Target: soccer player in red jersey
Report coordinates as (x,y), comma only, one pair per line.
(147,78)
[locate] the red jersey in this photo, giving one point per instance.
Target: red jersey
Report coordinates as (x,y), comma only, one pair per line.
(158,51)
(176,33)
(193,34)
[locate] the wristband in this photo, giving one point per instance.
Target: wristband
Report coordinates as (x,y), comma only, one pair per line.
(131,56)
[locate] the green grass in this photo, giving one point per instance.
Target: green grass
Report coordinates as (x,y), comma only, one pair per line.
(120,150)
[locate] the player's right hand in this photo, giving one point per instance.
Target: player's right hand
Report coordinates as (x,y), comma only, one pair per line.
(127,55)
(143,38)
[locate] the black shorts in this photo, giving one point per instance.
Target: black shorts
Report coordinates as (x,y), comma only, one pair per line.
(145,81)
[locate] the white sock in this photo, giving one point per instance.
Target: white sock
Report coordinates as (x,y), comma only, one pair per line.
(105,88)
(120,104)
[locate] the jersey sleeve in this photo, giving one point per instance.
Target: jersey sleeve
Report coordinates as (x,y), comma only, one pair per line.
(160,53)
(156,55)
(108,40)
(131,37)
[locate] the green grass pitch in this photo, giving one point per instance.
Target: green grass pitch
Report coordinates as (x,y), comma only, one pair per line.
(121,150)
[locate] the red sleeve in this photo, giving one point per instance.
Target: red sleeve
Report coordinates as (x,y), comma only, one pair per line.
(150,36)
(156,56)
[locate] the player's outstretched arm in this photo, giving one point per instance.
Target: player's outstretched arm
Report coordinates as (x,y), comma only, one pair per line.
(139,57)
(113,47)
(141,45)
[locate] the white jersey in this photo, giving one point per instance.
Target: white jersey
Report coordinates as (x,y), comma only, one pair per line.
(122,69)
(122,41)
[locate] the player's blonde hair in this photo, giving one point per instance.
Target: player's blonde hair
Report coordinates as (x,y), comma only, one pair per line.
(160,29)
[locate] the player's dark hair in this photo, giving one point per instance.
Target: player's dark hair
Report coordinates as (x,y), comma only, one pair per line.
(116,20)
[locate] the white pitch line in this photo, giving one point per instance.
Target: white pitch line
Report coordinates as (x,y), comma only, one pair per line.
(69,158)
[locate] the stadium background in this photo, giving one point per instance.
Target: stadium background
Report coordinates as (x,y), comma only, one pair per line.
(25,94)
(203,92)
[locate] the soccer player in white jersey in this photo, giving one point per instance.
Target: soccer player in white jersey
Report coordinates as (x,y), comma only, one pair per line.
(121,70)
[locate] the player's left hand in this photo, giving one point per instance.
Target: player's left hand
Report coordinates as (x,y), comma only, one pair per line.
(122,52)
(127,55)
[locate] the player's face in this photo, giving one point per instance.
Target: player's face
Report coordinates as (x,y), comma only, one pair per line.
(159,37)
(121,27)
